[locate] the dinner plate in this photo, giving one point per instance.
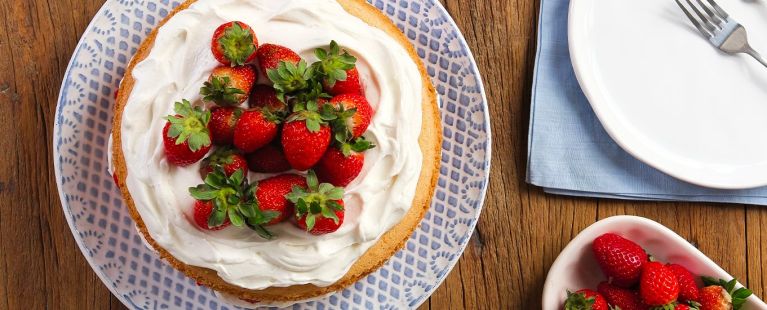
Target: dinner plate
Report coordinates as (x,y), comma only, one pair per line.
(105,232)
(576,268)
(667,96)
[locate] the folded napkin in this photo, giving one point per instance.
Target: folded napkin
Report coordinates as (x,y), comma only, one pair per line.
(570,153)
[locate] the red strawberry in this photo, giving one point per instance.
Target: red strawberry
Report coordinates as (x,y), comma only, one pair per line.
(339,74)
(351,85)
(306,135)
(270,56)
(319,207)
(229,86)
(225,158)
(354,113)
(682,307)
(304,148)
(264,97)
(619,258)
(714,297)
(323,225)
(234,44)
(688,290)
(202,211)
(720,294)
(268,159)
(221,125)
(255,129)
(658,285)
(186,136)
(340,166)
(622,298)
(271,192)
(585,299)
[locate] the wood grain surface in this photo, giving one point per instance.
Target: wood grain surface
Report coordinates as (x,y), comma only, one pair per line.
(519,235)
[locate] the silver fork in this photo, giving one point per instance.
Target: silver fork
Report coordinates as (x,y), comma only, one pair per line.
(719,28)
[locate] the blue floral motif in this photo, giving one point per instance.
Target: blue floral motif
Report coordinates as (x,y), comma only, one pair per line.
(105,231)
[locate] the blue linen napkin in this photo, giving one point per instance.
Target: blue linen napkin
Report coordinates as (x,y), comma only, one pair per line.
(569,152)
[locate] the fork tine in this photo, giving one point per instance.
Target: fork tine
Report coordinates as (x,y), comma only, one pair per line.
(694,21)
(719,10)
(706,22)
(714,18)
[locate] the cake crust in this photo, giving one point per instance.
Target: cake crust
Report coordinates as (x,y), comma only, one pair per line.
(430,141)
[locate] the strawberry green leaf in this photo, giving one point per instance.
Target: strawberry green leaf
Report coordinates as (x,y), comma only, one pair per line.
(235,218)
(311,181)
(189,124)
(217,218)
(248,209)
(337,193)
(260,230)
(333,64)
(202,192)
(218,90)
(310,221)
(237,44)
(335,206)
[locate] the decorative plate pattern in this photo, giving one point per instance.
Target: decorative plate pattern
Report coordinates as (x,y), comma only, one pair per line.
(105,231)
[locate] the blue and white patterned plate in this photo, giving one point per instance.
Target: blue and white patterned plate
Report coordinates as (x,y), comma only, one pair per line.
(105,231)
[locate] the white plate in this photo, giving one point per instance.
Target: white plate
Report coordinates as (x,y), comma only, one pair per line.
(576,268)
(667,96)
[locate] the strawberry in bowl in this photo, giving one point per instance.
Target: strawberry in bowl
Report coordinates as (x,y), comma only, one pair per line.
(636,263)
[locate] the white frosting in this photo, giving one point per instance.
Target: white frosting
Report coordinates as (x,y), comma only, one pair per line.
(177,66)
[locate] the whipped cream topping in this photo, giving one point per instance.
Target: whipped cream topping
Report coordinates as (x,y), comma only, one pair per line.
(178,64)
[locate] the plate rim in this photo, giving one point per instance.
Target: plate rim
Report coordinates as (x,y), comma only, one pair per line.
(440,279)
(621,136)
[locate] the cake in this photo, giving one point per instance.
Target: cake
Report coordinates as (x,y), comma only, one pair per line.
(383,203)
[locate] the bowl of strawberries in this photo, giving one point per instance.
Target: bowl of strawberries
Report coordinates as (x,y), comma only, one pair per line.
(629,262)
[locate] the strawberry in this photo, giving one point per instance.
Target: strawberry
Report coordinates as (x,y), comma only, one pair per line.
(354,114)
(622,298)
(264,97)
(585,299)
(620,259)
(229,86)
(721,294)
(682,307)
(254,129)
(221,125)
(303,147)
(271,55)
(186,136)
(271,192)
(268,159)
(319,207)
(202,212)
(351,85)
(337,70)
(224,157)
(688,289)
(234,44)
(306,135)
(226,199)
(658,285)
(340,166)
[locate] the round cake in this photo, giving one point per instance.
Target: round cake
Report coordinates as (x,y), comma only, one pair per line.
(382,205)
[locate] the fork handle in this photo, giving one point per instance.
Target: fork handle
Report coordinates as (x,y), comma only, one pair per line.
(753,53)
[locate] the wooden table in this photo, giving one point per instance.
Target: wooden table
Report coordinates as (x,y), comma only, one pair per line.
(518,237)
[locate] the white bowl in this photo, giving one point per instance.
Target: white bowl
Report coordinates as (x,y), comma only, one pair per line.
(576,268)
